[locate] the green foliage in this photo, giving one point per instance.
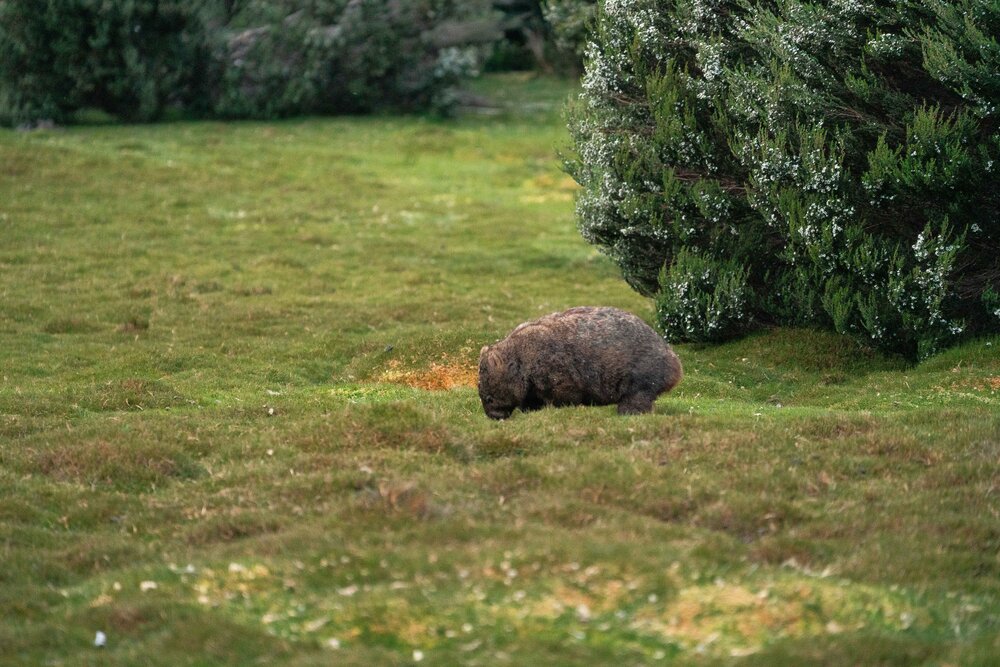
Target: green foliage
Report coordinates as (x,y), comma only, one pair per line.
(134,58)
(131,58)
(844,154)
(547,35)
(570,22)
(335,56)
(700,299)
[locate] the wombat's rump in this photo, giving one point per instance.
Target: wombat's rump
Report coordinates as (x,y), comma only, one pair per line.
(582,356)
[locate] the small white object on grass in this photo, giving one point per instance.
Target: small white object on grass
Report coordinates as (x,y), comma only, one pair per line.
(418,655)
(100,639)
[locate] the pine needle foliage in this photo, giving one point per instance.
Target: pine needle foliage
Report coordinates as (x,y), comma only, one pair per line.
(837,162)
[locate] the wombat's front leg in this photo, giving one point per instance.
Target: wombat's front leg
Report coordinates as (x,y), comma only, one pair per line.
(636,405)
(532,400)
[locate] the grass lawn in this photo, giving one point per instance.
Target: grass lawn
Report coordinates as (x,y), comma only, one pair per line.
(238,424)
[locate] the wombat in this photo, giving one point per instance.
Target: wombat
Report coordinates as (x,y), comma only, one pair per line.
(582,356)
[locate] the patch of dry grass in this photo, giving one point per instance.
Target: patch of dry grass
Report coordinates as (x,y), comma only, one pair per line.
(439,376)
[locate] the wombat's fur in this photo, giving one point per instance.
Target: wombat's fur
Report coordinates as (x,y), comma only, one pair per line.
(582,356)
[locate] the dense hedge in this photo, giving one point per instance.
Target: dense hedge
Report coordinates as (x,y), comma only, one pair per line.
(827,163)
(268,58)
(235,58)
(131,58)
(331,56)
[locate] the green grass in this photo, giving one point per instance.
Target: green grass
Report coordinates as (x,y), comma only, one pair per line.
(214,447)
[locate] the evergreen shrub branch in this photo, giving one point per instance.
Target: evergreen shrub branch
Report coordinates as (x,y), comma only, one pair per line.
(832,163)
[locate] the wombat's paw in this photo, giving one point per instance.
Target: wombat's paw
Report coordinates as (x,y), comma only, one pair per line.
(635,405)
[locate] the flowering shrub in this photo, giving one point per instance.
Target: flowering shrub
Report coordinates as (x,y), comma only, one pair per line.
(701,300)
(840,158)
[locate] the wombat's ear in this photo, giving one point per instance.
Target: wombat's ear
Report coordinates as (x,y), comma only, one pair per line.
(482,351)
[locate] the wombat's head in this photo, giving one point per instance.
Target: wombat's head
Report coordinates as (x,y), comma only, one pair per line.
(499,384)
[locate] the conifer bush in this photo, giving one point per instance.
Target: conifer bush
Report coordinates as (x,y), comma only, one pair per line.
(832,163)
(701,300)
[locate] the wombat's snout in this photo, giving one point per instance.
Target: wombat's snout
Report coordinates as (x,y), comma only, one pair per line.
(497,413)
(492,406)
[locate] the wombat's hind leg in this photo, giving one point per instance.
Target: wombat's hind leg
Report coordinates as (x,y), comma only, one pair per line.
(636,404)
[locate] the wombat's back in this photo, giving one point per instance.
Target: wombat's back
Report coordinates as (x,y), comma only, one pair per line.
(593,329)
(593,356)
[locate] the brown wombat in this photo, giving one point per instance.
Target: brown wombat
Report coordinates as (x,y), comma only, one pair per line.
(582,356)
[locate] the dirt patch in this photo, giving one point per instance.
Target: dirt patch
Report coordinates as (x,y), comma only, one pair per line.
(440,376)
